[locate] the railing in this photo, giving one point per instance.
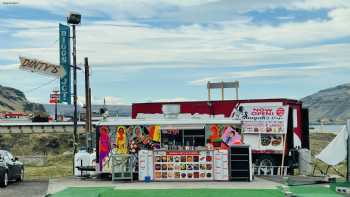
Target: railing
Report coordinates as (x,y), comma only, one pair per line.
(270,170)
(122,168)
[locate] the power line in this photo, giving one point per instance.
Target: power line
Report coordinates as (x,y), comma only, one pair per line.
(42,85)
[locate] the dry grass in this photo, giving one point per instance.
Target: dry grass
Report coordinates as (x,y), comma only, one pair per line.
(61,165)
(58,166)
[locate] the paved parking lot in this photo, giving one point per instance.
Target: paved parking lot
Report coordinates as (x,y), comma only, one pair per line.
(25,189)
(41,188)
(56,185)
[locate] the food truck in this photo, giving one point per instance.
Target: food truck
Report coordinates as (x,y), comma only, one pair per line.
(274,128)
(169,147)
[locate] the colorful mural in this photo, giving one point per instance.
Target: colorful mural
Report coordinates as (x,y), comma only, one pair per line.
(226,135)
(104,146)
(214,133)
(121,141)
(154,133)
(137,131)
(231,136)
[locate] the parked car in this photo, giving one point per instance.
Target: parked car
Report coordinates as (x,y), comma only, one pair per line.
(10,168)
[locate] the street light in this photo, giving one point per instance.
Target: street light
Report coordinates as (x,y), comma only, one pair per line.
(74,19)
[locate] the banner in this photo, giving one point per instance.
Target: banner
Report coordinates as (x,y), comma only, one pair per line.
(65,81)
(38,66)
(263,119)
(154,133)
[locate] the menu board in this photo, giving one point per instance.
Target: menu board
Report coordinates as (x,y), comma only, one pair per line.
(145,164)
(264,142)
(221,165)
(183,165)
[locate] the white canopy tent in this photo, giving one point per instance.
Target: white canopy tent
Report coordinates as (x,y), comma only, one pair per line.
(336,151)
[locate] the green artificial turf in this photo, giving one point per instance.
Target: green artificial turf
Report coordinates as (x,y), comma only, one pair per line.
(109,192)
(194,193)
(313,191)
(82,192)
(340,184)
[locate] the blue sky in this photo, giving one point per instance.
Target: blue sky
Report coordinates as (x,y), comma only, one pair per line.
(168,49)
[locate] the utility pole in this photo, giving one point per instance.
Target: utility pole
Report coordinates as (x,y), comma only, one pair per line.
(74,19)
(75,96)
(56,111)
(88,105)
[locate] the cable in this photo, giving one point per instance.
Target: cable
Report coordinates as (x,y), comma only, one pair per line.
(42,85)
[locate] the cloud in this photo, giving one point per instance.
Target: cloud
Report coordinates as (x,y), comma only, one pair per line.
(175,11)
(127,37)
(277,74)
(118,44)
(6,67)
(319,4)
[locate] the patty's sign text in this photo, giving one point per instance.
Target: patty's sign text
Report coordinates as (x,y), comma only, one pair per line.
(42,67)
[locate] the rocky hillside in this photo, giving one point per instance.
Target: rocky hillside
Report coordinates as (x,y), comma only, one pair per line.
(14,100)
(330,105)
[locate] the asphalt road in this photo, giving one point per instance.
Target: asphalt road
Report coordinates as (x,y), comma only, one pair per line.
(25,189)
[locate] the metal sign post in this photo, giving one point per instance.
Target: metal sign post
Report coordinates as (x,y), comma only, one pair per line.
(222,86)
(54,98)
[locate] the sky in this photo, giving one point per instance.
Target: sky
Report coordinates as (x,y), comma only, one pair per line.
(167,50)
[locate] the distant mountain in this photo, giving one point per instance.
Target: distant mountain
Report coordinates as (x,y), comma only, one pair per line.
(67,110)
(330,105)
(13,100)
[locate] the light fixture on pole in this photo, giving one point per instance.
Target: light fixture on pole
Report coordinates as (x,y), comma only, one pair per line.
(74,19)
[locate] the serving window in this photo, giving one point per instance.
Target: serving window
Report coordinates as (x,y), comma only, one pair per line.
(182,137)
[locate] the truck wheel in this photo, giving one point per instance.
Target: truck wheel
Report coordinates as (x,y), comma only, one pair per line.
(264,164)
(4,180)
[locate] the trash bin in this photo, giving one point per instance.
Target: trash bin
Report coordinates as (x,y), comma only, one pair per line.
(147,179)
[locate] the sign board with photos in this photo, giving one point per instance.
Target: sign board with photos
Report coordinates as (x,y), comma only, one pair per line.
(145,160)
(263,119)
(221,165)
(183,165)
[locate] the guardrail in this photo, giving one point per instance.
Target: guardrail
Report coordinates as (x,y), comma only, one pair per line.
(33,160)
(42,127)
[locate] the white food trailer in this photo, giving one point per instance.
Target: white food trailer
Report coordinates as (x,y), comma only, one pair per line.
(174,149)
